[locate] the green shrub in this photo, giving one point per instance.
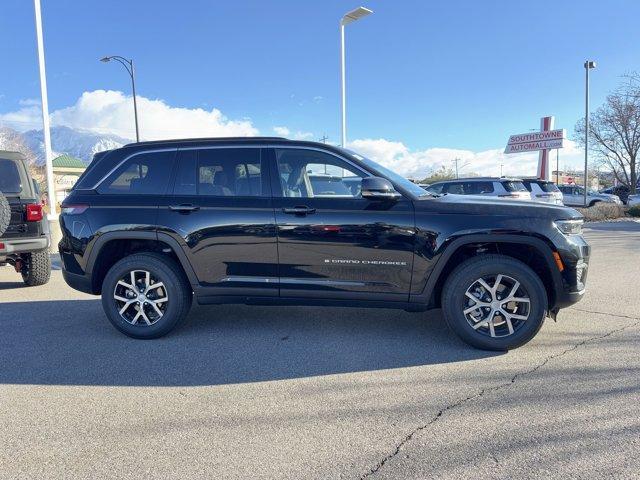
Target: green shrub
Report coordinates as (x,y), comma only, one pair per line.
(635,211)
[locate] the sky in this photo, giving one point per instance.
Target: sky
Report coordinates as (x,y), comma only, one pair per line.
(427,81)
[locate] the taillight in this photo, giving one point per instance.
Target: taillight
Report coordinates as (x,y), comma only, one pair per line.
(34,212)
(74,209)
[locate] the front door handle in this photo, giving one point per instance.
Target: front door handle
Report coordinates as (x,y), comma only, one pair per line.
(299,210)
(184,208)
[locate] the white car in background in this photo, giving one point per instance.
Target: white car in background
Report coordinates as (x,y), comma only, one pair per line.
(573,196)
(500,187)
(544,191)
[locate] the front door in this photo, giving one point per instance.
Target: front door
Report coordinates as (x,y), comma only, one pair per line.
(219,210)
(332,243)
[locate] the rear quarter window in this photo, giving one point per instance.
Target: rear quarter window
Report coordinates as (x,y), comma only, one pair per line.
(10,179)
(143,174)
(512,186)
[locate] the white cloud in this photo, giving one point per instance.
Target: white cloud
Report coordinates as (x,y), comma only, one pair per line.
(104,111)
(286,132)
(418,164)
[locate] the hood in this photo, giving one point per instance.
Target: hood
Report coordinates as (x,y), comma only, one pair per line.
(485,205)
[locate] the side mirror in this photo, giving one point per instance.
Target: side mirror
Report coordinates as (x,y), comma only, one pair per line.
(376,188)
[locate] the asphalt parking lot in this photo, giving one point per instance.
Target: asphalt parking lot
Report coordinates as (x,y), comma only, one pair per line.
(288,392)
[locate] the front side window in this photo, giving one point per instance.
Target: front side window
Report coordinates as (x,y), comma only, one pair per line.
(310,173)
(435,188)
(143,174)
(478,188)
(455,188)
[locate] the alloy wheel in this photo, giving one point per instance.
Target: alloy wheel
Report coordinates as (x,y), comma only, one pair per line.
(496,305)
(141,299)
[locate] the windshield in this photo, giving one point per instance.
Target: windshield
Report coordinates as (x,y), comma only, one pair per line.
(391,175)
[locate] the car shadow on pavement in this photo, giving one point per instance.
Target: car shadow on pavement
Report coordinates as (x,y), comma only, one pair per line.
(72,343)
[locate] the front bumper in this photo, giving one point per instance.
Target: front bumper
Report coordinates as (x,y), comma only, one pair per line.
(23,245)
(574,252)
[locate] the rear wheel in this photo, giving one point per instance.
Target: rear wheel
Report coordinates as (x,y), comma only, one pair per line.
(36,268)
(5,214)
(146,295)
(494,302)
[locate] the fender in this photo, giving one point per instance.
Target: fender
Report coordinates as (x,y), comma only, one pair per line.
(141,235)
(540,245)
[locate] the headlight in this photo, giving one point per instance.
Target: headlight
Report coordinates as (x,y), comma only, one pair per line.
(569,227)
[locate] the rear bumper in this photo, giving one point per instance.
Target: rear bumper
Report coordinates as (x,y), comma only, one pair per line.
(23,245)
(78,282)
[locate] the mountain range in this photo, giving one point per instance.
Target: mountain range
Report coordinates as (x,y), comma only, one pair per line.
(81,144)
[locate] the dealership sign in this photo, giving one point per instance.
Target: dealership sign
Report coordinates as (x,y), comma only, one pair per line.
(543,141)
(534,141)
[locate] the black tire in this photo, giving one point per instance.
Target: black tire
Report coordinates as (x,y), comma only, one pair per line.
(594,203)
(466,275)
(36,269)
(176,289)
(5,214)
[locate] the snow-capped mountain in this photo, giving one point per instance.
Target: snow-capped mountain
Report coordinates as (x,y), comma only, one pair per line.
(77,143)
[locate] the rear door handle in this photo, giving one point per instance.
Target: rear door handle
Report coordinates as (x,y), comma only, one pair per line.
(299,210)
(184,208)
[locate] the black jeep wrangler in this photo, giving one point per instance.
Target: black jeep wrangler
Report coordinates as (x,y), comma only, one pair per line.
(24,232)
(267,221)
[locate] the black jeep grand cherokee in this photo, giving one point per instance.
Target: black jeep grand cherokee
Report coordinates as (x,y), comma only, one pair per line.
(275,221)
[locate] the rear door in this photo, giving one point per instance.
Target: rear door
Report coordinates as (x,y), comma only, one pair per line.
(332,243)
(15,184)
(219,210)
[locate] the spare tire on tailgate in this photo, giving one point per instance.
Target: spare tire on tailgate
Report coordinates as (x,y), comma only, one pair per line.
(5,214)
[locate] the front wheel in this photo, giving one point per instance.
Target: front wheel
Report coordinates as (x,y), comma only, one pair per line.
(494,302)
(146,295)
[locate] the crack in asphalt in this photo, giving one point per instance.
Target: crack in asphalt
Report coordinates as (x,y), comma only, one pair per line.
(501,386)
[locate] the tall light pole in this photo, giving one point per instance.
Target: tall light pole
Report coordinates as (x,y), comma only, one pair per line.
(128,65)
(350,17)
(51,193)
(588,65)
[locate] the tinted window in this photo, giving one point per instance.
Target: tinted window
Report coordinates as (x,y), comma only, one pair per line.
(435,188)
(548,186)
(511,186)
(225,172)
(143,174)
(10,181)
(456,188)
(309,173)
(478,188)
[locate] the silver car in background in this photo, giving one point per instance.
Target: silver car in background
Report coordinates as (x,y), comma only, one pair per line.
(501,187)
(573,196)
(544,191)
(633,200)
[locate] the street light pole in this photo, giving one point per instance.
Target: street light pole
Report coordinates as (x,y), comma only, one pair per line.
(128,65)
(48,157)
(352,16)
(588,65)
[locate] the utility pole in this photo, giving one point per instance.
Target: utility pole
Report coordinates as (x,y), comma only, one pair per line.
(588,65)
(324,138)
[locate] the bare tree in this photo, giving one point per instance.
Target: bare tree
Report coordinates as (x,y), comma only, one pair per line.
(614,132)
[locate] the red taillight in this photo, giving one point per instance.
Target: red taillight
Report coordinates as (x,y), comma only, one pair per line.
(34,212)
(74,209)
(1,246)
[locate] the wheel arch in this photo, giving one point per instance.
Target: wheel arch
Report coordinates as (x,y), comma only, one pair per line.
(534,252)
(110,247)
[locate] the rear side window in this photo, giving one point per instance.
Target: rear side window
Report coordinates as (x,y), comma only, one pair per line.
(219,172)
(511,186)
(143,174)
(478,188)
(10,181)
